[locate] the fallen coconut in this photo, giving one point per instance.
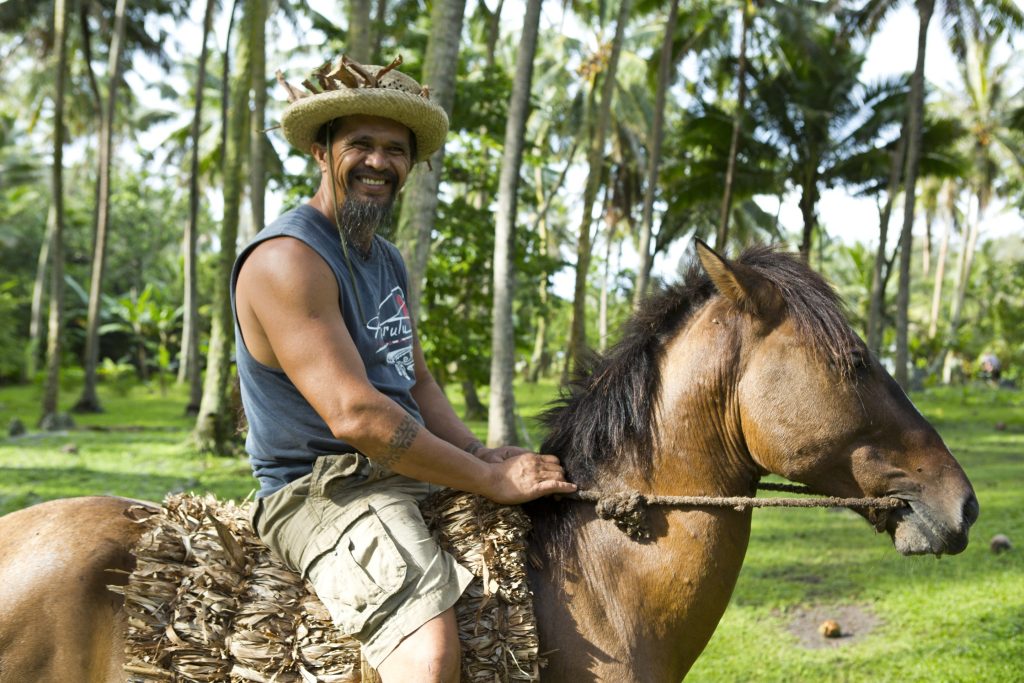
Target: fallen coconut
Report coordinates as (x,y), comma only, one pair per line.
(830,629)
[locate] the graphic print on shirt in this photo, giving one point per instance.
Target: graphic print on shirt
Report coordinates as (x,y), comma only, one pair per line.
(392,329)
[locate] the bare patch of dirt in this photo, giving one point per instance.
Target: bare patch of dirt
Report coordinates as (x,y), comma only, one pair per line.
(855,622)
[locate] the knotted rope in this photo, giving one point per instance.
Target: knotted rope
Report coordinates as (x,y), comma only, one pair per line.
(629,510)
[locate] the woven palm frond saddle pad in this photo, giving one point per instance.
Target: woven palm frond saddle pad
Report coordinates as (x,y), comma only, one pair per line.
(208,602)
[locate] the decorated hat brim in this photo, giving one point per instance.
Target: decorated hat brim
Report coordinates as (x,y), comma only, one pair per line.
(302,119)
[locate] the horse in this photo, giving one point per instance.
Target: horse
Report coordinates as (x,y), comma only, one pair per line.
(744,368)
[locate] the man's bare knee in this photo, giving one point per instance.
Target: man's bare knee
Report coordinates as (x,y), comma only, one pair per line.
(430,654)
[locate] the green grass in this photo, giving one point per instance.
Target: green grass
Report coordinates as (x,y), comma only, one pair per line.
(955,619)
(137,448)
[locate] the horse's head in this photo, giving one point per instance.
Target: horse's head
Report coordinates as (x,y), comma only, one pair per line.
(813,405)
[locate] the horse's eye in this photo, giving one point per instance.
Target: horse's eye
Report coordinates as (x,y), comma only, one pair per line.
(860,360)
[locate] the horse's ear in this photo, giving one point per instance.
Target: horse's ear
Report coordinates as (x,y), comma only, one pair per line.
(744,286)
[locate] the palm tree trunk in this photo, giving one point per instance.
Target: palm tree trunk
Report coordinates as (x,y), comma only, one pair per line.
(808,200)
(55,219)
(94,88)
(474,408)
(35,325)
(501,420)
(379,17)
(940,275)
(879,277)
(926,252)
(225,84)
(746,10)
(257,136)
(89,401)
(213,425)
(493,31)
(963,275)
(189,369)
(359,42)
(654,143)
(595,163)
(964,278)
(916,120)
(602,311)
(419,208)
(539,357)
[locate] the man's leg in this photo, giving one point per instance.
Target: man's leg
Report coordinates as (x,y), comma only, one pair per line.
(429,654)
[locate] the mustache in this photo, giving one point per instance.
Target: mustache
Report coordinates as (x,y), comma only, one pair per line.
(386,175)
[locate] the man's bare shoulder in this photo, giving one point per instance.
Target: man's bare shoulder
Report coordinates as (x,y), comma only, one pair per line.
(284,259)
(288,268)
(282,252)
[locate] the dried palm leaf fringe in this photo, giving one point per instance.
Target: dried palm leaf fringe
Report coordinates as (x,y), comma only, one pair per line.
(207,600)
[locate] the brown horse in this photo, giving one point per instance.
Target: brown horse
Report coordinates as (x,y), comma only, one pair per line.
(744,369)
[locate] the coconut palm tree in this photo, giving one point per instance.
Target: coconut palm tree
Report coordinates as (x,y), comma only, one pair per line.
(992,144)
(554,132)
(360,31)
(696,157)
(89,401)
(747,9)
(257,136)
(700,23)
(419,207)
(606,72)
(189,357)
(212,432)
(806,99)
(961,18)
(55,220)
(501,423)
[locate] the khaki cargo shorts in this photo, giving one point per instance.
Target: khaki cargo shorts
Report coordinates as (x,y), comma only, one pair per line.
(354,529)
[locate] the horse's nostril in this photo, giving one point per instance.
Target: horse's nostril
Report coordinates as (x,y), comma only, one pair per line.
(971,509)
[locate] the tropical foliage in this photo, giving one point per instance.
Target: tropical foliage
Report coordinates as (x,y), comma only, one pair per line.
(646,125)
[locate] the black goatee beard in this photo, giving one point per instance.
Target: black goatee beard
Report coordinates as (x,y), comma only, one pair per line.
(359,221)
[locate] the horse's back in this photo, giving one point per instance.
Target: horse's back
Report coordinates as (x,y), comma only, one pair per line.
(58,620)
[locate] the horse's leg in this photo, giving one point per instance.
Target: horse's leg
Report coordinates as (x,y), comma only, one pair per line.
(58,621)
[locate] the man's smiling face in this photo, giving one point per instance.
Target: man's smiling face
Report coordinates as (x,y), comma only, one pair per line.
(372,157)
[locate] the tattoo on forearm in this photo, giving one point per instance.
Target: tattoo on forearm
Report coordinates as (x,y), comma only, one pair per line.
(400,441)
(473,446)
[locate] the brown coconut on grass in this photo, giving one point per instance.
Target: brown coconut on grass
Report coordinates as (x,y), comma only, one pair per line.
(207,600)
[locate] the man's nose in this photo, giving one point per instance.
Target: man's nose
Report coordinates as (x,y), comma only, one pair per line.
(376,158)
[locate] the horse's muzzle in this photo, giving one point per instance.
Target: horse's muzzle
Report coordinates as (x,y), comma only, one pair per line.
(920,529)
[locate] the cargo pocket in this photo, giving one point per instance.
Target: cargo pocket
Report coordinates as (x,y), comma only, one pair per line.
(363,570)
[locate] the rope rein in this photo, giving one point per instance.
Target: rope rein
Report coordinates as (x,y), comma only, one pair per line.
(629,510)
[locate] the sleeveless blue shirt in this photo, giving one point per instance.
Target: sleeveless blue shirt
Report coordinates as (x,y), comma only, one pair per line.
(286,435)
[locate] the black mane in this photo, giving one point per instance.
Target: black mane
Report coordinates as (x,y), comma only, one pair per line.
(607,411)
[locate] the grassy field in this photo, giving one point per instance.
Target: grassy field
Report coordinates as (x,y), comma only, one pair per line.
(909,619)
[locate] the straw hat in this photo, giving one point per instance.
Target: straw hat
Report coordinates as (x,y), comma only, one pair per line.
(351,88)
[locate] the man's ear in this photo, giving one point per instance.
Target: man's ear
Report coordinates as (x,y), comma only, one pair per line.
(319,153)
(745,287)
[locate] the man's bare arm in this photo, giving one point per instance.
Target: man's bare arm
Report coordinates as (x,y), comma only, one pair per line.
(441,418)
(400,441)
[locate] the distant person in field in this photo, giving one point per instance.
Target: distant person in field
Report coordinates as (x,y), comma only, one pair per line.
(991,368)
(348,431)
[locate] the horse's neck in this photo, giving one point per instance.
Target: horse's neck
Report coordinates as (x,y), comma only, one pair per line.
(644,611)
(701,447)
(629,611)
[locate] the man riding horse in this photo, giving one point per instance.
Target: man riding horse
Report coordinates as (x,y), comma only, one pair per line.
(348,431)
